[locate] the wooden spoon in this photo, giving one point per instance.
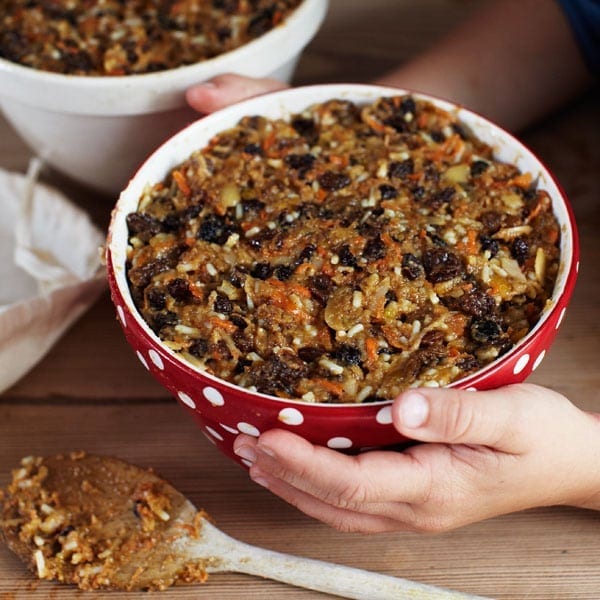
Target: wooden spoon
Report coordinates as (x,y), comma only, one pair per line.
(99,522)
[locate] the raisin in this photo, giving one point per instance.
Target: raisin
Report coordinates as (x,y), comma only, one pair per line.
(349,355)
(214,229)
(278,373)
(261,22)
(440,198)
(283,272)
(401,169)
(418,192)
(306,128)
(458,129)
(397,122)
(489,244)
(441,265)
(199,348)
(222,304)
(261,270)
(347,259)
(374,249)
(253,149)
(238,321)
(13,46)
(237,276)
(422,358)
(432,338)
(164,319)
(156,299)
(82,62)
(302,162)
(491,221)
(388,192)
(332,181)
(408,105)
(240,365)
(179,289)
(320,287)
(478,167)
(142,225)
(171,223)
(141,276)
(485,331)
(309,354)
(437,136)
(306,253)
(468,363)
(411,266)
(476,303)
(519,249)
(252,205)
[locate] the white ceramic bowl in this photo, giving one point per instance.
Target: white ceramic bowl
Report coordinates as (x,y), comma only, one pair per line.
(98,130)
(223,409)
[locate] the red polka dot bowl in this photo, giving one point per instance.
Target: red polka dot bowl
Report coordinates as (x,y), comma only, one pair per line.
(222,409)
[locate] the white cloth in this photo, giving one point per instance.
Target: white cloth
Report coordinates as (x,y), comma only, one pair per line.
(50,269)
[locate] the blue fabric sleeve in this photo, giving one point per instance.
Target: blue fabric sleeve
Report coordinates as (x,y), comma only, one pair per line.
(584,19)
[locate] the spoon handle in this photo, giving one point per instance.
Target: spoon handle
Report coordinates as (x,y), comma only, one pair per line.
(330,578)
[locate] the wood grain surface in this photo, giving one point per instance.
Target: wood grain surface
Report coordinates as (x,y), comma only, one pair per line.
(91,393)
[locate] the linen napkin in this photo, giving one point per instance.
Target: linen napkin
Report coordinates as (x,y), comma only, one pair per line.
(50,269)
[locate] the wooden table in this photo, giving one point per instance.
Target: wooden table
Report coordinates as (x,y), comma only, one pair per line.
(91,393)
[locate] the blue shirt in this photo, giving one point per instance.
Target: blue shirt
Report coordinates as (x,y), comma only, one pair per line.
(584,19)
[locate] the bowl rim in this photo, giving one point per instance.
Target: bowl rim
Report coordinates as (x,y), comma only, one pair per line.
(163,90)
(569,251)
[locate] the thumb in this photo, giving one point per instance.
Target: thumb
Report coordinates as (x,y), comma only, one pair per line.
(495,418)
(223,90)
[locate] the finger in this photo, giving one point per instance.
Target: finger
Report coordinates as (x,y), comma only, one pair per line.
(341,519)
(344,481)
(227,89)
(496,418)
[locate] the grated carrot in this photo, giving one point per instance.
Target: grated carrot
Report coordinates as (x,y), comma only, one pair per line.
(331,386)
(182,184)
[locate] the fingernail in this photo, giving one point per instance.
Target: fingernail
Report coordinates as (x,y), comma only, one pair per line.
(266,450)
(414,410)
(207,84)
(246,452)
(261,481)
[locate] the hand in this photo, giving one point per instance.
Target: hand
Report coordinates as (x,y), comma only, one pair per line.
(223,90)
(489,453)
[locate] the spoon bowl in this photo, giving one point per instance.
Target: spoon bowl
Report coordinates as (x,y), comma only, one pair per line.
(99,522)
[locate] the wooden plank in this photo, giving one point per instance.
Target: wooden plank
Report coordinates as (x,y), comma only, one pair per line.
(558,546)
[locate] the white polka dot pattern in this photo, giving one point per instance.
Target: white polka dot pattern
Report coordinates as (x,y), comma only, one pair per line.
(471,389)
(214,396)
(538,360)
(384,415)
(156,359)
(121,314)
(248,429)
(291,416)
(229,429)
(338,443)
(562,316)
(521,364)
(214,433)
(186,399)
(142,360)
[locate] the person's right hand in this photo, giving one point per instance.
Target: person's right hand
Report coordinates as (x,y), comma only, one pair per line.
(488,453)
(223,90)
